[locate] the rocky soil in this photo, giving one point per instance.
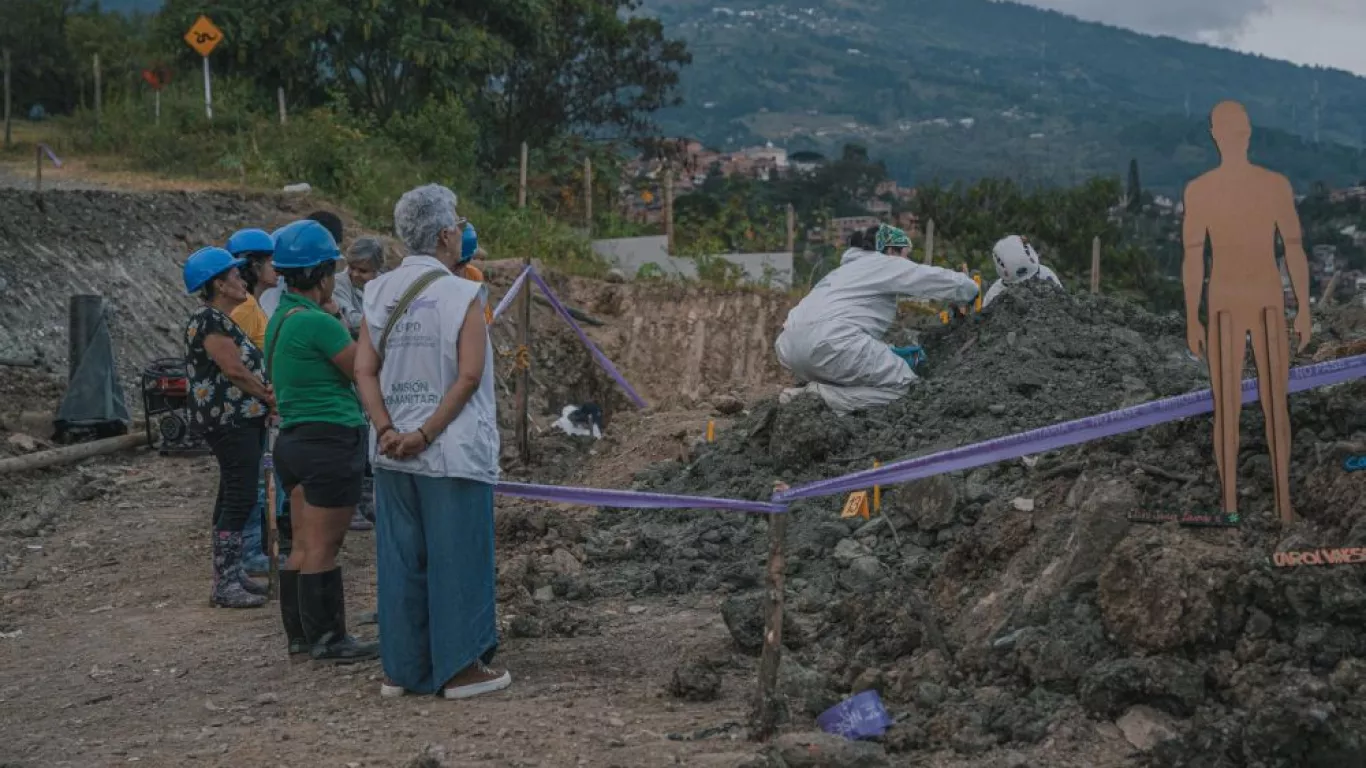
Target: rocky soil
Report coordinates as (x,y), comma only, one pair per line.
(1016,611)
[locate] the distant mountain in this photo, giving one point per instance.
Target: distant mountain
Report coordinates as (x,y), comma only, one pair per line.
(969,88)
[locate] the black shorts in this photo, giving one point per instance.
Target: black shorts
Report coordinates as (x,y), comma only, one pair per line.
(327,459)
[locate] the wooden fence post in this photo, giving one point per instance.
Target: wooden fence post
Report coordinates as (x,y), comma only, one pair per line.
(669,210)
(1095,265)
(521,180)
(767,704)
(929,242)
(791,229)
(280,101)
(588,194)
(99,100)
(9,136)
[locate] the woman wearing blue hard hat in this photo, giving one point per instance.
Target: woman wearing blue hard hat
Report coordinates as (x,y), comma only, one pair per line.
(320,453)
(229,403)
(257,247)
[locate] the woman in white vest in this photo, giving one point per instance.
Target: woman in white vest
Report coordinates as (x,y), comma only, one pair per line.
(424,368)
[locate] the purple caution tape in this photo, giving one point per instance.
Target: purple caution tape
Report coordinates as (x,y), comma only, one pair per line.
(598,497)
(592,348)
(511,294)
(1067,433)
(56,161)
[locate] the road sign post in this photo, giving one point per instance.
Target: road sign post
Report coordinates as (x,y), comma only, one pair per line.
(203,37)
(157,77)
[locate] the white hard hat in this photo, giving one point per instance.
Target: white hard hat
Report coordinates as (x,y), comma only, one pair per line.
(1016,260)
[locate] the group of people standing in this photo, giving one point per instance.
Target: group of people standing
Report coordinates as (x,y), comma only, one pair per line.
(357,369)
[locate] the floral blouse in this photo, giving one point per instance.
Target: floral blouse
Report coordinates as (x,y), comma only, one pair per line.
(216,402)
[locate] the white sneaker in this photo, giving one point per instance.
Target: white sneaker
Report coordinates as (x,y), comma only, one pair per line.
(489,685)
(387,691)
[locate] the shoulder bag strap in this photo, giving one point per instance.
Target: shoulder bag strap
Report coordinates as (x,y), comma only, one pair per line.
(270,348)
(419,285)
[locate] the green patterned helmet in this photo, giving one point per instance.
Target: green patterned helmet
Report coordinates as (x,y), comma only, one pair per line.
(891,237)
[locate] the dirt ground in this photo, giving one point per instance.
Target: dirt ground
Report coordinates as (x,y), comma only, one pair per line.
(111,655)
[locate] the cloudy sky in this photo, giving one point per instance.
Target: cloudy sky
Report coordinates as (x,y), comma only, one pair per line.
(1326,32)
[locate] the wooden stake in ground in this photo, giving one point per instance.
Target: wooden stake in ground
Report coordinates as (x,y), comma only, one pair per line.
(669,210)
(523,397)
(280,101)
(9,136)
(767,705)
(588,195)
(929,241)
(1095,266)
(272,525)
(521,180)
(99,99)
(791,229)
(1328,290)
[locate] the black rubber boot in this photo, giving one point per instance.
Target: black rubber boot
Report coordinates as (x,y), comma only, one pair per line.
(289,616)
(322,606)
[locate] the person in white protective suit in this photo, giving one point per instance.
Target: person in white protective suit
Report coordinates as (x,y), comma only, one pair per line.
(832,339)
(1016,262)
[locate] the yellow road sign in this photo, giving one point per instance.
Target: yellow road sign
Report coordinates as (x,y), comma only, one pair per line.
(203,37)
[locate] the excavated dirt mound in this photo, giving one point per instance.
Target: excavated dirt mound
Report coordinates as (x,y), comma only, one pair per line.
(1017,606)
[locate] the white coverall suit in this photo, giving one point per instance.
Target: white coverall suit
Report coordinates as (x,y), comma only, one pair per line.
(1044,273)
(833,337)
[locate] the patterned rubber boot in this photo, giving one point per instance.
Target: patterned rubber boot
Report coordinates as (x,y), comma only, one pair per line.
(228,591)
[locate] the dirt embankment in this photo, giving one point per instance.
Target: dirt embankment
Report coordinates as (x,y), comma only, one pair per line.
(677,345)
(1018,616)
(127,247)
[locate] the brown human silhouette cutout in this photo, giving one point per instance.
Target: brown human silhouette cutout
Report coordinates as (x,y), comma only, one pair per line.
(1240,207)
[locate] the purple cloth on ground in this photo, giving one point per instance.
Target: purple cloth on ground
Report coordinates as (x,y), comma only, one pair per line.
(860,716)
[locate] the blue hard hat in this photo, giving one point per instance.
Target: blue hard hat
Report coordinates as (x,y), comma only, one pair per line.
(469,243)
(250,241)
(205,264)
(303,244)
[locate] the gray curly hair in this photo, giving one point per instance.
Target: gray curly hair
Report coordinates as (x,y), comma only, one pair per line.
(421,214)
(367,250)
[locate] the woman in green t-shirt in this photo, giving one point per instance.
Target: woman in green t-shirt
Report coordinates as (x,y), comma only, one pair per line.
(320,453)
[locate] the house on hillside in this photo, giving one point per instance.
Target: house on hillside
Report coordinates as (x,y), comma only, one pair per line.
(1357,192)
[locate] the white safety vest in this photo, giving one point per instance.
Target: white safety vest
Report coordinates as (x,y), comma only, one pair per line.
(419,365)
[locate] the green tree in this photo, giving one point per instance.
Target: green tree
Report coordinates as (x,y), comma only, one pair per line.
(595,66)
(528,70)
(44,70)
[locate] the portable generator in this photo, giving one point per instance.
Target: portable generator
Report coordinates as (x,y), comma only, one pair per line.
(166,408)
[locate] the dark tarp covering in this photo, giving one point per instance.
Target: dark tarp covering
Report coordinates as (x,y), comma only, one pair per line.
(94,397)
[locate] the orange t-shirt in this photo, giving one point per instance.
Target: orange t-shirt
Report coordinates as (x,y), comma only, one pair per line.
(471,272)
(252,320)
